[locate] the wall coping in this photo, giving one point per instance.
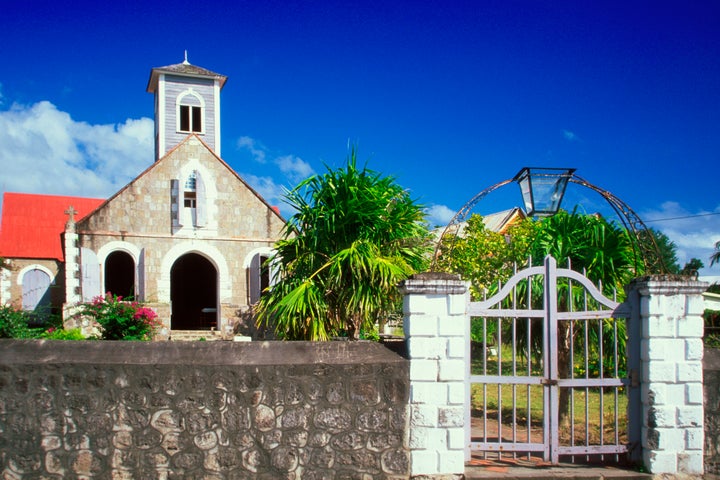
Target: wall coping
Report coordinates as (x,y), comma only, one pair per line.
(433,283)
(104,352)
(669,284)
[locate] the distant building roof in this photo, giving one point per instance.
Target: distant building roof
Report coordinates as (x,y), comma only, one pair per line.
(183,69)
(31,224)
(500,222)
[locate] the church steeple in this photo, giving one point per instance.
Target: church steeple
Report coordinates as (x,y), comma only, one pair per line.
(187,100)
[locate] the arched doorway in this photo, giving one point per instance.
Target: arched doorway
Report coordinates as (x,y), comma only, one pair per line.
(193,293)
(120,274)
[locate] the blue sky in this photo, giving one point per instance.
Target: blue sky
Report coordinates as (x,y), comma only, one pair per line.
(448,97)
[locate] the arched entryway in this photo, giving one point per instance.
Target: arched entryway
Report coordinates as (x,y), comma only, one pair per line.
(120,274)
(193,293)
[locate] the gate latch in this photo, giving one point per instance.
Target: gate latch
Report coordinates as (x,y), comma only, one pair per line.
(549,381)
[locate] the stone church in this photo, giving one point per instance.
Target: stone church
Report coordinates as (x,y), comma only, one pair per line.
(188,236)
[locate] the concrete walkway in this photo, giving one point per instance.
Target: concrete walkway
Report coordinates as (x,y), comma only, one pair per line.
(509,469)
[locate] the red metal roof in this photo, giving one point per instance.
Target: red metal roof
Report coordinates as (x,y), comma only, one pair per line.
(32,224)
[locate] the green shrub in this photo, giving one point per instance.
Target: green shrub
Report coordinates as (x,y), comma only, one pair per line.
(119,319)
(711,336)
(13,323)
(63,334)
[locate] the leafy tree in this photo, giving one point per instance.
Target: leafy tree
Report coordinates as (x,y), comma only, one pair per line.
(692,267)
(354,236)
(484,257)
(667,251)
(591,244)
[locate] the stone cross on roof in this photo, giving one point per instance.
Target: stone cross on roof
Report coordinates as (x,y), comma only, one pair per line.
(71,211)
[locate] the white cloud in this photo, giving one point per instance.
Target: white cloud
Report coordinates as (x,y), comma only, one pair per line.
(694,233)
(256,149)
(439,215)
(295,168)
(570,136)
(273,193)
(43,150)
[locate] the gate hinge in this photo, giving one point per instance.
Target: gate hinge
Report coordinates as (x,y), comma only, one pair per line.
(548,381)
(634,378)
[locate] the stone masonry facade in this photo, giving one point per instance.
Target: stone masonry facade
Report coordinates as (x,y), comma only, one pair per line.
(138,220)
(264,410)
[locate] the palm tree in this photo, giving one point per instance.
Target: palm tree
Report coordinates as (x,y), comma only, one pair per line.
(715,257)
(604,252)
(354,236)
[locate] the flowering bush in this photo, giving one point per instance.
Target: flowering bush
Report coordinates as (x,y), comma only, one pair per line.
(119,319)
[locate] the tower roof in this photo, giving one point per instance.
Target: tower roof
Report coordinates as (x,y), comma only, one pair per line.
(185,69)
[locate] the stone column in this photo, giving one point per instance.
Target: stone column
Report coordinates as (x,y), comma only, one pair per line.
(435,324)
(665,357)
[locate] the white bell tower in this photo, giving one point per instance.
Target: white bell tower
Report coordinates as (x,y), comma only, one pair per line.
(187,101)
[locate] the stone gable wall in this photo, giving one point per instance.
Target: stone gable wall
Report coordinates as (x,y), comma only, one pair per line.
(139,216)
(267,410)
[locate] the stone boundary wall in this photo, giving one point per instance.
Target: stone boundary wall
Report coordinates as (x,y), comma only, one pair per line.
(711,380)
(265,410)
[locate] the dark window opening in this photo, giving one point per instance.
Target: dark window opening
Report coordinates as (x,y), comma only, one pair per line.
(190,200)
(190,119)
(264,274)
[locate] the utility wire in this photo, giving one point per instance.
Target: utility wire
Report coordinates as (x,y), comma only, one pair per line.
(681,218)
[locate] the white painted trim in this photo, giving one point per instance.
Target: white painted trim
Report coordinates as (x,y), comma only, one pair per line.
(267,251)
(114,246)
(187,226)
(119,246)
(217,117)
(178,103)
(35,266)
(207,251)
(160,117)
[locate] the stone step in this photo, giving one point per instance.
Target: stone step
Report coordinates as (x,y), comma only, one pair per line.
(194,335)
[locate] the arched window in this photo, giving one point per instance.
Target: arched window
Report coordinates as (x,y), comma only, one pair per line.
(190,112)
(36,291)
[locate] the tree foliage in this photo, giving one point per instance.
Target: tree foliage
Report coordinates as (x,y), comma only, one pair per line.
(692,267)
(354,236)
(715,257)
(483,257)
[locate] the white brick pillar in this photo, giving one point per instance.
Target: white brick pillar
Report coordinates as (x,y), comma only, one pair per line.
(72,265)
(665,361)
(435,324)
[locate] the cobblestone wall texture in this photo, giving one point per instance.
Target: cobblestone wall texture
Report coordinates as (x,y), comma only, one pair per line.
(218,410)
(711,381)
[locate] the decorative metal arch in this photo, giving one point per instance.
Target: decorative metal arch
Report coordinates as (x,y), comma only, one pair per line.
(642,240)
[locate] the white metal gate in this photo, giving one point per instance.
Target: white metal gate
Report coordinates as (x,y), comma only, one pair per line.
(546,377)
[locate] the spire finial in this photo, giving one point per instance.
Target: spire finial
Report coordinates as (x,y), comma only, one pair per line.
(186,60)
